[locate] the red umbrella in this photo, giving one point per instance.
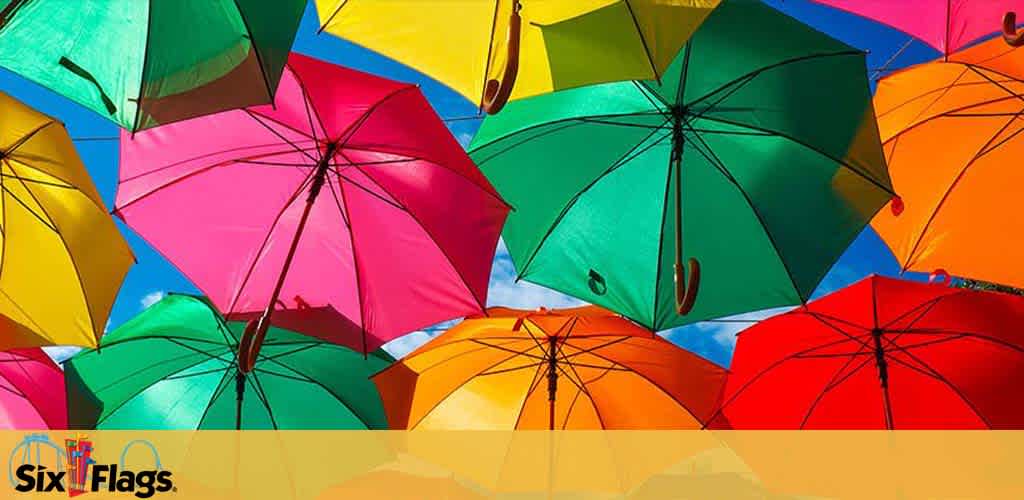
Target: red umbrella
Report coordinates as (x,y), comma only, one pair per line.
(882,354)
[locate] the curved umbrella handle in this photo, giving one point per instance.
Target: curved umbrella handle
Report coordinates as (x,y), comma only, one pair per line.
(686,290)
(1010,34)
(496,93)
(250,343)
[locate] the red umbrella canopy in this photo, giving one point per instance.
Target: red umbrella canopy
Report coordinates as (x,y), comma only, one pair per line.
(882,353)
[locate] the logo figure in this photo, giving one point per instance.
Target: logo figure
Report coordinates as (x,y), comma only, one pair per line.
(79,458)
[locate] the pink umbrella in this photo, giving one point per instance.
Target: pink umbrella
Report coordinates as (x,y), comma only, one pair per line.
(33,391)
(347,199)
(946,25)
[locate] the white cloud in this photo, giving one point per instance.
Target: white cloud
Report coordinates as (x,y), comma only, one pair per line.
(464,138)
(405,344)
(724,330)
(61,353)
(151,298)
(505,291)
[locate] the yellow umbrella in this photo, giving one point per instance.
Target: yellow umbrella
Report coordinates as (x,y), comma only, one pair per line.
(62,259)
(475,46)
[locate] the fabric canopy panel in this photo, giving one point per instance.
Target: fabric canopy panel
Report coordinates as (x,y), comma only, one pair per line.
(582,368)
(62,258)
(144,63)
(402,227)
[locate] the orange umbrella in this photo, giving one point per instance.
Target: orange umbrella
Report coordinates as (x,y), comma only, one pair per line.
(952,136)
(581,368)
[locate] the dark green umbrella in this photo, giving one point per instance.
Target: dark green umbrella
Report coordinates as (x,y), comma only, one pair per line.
(173,367)
(760,139)
(144,63)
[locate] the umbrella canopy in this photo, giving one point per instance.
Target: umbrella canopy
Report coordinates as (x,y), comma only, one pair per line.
(173,367)
(146,63)
(951,134)
(946,25)
(761,152)
(402,227)
(33,391)
(55,230)
(882,353)
(581,368)
(490,51)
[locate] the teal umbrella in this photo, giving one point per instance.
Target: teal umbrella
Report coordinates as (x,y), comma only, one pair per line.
(758,148)
(144,63)
(173,367)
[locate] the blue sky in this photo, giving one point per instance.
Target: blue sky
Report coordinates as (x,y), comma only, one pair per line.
(153,276)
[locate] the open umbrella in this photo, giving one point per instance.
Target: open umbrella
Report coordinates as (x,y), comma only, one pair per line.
(491,51)
(350,187)
(952,135)
(759,148)
(146,63)
(581,368)
(946,25)
(62,258)
(173,367)
(882,354)
(33,391)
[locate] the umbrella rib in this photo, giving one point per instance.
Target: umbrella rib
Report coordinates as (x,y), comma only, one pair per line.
(337,9)
(389,149)
(337,200)
(979,336)
(941,91)
(994,82)
(365,189)
(508,370)
(938,376)
(350,132)
(956,180)
(281,136)
(144,389)
(483,347)
(775,364)
(628,156)
(850,336)
(262,396)
(655,384)
(270,231)
(715,161)
(834,382)
(597,121)
(455,389)
(806,146)
(215,153)
(502,348)
(186,177)
(36,181)
(643,40)
(754,74)
(581,388)
(255,50)
(311,110)
(960,109)
(562,124)
(217,393)
(25,138)
(346,217)
(534,384)
(648,93)
(67,249)
(923,309)
(444,251)
(311,380)
(49,225)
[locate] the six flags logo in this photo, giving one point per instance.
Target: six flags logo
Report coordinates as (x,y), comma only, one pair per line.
(77,472)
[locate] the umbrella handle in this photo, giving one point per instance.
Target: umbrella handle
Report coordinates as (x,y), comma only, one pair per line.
(496,93)
(1010,34)
(250,343)
(686,290)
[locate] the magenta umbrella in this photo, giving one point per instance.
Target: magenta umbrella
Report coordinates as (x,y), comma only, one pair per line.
(32,395)
(347,202)
(946,25)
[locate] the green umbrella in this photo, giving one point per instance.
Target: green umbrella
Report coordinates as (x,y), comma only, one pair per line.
(762,127)
(173,367)
(143,63)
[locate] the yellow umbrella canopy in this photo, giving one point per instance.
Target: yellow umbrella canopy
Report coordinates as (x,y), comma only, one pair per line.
(550,44)
(62,259)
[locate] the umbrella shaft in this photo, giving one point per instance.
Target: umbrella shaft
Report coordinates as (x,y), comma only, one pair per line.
(883,376)
(552,380)
(319,177)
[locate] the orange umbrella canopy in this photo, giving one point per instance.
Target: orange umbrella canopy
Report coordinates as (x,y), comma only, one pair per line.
(580,368)
(952,136)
